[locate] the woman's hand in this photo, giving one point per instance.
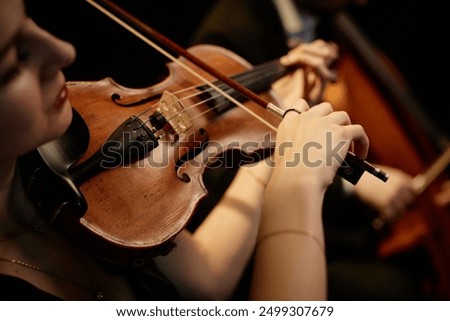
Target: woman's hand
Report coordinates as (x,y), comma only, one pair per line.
(313,143)
(309,81)
(290,262)
(392,198)
(318,56)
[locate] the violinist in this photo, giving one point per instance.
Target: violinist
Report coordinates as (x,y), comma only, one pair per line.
(38,262)
(268,29)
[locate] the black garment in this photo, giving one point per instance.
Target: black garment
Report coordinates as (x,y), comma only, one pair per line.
(148,284)
(15,289)
(251,29)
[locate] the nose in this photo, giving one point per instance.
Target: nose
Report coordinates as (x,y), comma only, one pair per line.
(66,53)
(55,54)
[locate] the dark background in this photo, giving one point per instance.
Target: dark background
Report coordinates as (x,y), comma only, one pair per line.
(413,34)
(105,49)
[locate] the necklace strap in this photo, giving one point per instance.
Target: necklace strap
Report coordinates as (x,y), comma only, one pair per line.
(97,293)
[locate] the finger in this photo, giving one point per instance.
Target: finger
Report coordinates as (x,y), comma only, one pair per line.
(322,47)
(317,63)
(327,54)
(388,214)
(299,106)
(326,73)
(360,140)
(340,118)
(333,45)
(325,50)
(320,66)
(409,197)
(322,109)
(442,198)
(446,185)
(303,57)
(291,110)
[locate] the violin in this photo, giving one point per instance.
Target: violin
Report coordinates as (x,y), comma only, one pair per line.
(132,202)
(126,177)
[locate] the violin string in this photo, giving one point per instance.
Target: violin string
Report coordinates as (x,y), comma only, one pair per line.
(173,130)
(201,114)
(265,71)
(175,93)
(261,72)
(180,112)
(156,103)
(177,61)
(210,109)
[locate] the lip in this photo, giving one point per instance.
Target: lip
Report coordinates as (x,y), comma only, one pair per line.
(62,98)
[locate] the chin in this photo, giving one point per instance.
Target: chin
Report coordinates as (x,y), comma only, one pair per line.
(65,119)
(61,122)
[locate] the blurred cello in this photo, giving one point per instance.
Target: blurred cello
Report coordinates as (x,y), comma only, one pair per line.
(372,91)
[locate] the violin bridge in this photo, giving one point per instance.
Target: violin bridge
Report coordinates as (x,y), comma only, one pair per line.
(177,120)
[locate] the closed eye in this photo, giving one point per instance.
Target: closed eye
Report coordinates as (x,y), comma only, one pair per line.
(10,75)
(19,55)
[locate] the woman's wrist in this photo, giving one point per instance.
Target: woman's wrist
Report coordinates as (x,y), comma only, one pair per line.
(288,206)
(297,179)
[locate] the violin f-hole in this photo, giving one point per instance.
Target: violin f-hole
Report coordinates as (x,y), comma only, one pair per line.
(193,147)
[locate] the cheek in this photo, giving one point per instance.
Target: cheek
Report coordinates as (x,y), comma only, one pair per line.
(25,122)
(19,126)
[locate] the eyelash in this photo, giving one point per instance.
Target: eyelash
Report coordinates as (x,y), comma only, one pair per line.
(9,75)
(22,52)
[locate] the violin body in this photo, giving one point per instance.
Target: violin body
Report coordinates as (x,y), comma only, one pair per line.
(135,210)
